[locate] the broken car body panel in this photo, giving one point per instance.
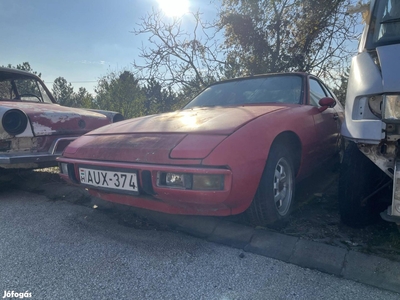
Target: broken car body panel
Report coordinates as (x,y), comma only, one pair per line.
(54,119)
(372,112)
(34,130)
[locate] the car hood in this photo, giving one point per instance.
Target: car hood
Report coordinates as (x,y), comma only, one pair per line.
(209,120)
(151,139)
(390,66)
(54,119)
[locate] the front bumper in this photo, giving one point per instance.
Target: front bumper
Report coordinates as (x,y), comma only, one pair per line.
(160,198)
(29,160)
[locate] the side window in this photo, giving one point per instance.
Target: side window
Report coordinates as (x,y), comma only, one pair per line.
(28,90)
(6,90)
(316,92)
(328,92)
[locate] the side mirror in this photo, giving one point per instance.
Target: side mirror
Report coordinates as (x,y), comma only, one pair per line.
(326,103)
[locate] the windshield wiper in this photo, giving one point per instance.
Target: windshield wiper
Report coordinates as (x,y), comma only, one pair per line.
(394,20)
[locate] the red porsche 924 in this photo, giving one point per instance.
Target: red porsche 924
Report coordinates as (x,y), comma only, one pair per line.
(240,145)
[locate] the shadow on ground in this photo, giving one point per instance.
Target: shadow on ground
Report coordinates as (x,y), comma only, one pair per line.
(315,216)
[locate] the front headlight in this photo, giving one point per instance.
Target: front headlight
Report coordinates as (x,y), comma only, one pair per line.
(14,121)
(391,109)
(188,181)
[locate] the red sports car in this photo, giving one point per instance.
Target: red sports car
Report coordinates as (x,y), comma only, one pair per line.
(34,129)
(239,145)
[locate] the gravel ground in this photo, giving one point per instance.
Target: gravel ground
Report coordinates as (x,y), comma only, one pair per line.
(59,250)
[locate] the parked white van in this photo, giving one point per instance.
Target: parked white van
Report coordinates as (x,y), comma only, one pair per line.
(370,173)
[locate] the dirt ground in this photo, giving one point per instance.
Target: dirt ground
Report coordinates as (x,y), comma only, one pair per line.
(315,217)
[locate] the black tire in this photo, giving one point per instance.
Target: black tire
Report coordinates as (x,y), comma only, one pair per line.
(277,182)
(359,178)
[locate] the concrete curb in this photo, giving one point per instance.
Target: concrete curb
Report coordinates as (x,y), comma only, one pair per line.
(368,269)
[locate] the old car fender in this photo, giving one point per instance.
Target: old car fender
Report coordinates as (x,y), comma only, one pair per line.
(113,116)
(245,151)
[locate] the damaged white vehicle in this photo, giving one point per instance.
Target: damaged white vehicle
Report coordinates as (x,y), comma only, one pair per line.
(34,129)
(370,173)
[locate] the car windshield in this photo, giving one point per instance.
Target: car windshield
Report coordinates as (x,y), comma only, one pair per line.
(384,28)
(256,90)
(22,88)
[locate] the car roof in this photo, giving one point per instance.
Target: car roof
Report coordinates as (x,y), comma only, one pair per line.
(6,72)
(10,73)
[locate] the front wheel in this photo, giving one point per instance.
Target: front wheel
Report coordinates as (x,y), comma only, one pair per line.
(274,197)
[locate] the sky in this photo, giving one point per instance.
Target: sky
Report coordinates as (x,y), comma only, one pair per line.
(80,40)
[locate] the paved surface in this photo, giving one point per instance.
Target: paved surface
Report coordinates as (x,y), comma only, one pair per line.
(368,269)
(58,250)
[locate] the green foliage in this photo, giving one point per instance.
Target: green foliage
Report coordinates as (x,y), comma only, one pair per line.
(25,66)
(83,99)
(63,92)
(121,92)
(158,100)
(263,36)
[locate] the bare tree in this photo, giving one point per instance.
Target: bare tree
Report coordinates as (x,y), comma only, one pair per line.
(187,58)
(250,37)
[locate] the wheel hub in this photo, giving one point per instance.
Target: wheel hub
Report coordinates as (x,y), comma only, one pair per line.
(283,186)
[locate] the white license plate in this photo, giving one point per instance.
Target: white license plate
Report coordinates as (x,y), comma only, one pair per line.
(115,180)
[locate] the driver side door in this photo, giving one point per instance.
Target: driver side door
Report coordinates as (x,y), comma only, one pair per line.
(327,122)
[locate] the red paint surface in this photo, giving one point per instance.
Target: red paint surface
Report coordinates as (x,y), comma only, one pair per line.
(196,146)
(235,140)
(54,119)
(216,120)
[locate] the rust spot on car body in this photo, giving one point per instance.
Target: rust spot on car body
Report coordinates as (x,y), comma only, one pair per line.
(53,119)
